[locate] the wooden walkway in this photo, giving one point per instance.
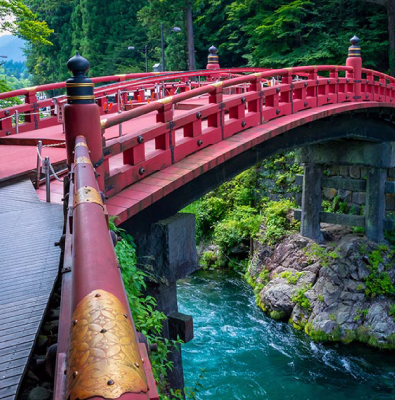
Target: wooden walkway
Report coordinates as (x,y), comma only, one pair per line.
(29,264)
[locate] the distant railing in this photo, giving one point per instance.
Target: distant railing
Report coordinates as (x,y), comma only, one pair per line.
(111,98)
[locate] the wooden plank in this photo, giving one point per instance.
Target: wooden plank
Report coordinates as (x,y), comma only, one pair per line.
(9,392)
(29,266)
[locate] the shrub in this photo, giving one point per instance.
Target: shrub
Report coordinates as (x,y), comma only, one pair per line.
(146,318)
(237,227)
(320,253)
(290,277)
(300,298)
(276,222)
(378,283)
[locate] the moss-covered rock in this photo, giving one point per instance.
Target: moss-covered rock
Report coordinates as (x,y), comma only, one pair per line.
(340,291)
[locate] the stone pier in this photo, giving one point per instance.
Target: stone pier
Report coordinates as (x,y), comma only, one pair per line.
(376,157)
(167,252)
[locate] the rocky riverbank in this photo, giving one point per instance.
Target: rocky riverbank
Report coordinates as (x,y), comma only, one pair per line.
(342,290)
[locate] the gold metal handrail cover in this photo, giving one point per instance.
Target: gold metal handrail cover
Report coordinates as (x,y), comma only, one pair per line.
(87,194)
(103,358)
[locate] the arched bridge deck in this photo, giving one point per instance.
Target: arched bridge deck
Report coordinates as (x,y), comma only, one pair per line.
(154,157)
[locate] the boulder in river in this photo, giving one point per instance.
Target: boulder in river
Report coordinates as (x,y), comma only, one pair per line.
(342,290)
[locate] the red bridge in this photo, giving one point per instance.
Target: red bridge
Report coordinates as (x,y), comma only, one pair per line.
(143,147)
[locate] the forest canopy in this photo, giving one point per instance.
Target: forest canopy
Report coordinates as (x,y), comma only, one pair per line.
(263,33)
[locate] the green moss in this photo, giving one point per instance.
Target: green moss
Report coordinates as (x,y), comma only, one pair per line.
(320,298)
(290,277)
(278,315)
(300,298)
(392,311)
(319,253)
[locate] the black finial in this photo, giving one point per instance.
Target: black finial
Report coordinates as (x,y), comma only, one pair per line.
(354,50)
(78,65)
(212,50)
(79,87)
(354,40)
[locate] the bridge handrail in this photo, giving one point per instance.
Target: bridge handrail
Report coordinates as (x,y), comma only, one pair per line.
(170,81)
(60,85)
(123,78)
(99,305)
(261,104)
(371,72)
(128,115)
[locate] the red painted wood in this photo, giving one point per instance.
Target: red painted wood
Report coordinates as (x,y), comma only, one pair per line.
(94,263)
(196,164)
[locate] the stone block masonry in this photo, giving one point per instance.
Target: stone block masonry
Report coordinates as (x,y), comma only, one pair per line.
(348,155)
(167,251)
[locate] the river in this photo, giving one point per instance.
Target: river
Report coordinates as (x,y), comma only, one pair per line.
(247,355)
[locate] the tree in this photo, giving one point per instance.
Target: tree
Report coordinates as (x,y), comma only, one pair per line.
(17,19)
(390,6)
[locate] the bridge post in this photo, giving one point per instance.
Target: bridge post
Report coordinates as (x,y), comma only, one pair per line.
(354,60)
(212,62)
(311,201)
(167,251)
(82,115)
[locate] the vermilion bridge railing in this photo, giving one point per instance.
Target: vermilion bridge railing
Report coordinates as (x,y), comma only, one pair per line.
(177,137)
(167,139)
(126,91)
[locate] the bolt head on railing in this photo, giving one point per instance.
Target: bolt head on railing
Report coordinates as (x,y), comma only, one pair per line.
(79,87)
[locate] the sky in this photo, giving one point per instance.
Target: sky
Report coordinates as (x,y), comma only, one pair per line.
(8,18)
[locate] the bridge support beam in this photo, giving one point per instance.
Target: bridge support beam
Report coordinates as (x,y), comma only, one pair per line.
(311,202)
(167,251)
(375,204)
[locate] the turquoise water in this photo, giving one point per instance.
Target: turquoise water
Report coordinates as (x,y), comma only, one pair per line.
(246,355)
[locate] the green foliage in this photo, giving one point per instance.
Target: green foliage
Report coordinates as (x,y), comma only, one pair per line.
(17,19)
(320,336)
(300,297)
(336,206)
(275,219)
(290,277)
(278,315)
(361,315)
(392,311)
(378,283)
(258,283)
(282,170)
(319,253)
(233,200)
(237,227)
(320,298)
(148,320)
(258,33)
